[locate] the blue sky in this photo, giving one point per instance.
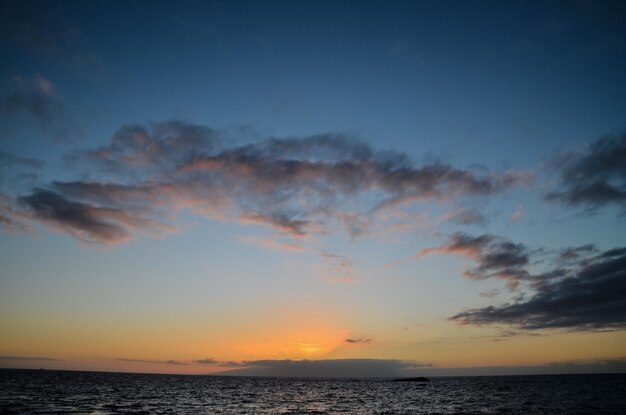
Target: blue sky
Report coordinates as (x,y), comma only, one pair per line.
(345,170)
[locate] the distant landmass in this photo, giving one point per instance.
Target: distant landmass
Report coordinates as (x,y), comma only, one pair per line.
(418,379)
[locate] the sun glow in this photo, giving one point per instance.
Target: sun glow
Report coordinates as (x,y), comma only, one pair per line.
(305,344)
(309,348)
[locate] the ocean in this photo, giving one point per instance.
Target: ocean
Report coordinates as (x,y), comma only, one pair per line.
(65,392)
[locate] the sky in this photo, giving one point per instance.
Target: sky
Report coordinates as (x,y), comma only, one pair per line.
(313,188)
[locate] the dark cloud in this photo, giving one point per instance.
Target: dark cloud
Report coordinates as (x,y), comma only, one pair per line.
(589,366)
(381,368)
(297,186)
(570,254)
(595,178)
(496,257)
(358,341)
(589,295)
(579,288)
(207,361)
(213,362)
(566,367)
(87,221)
(344,368)
(161,362)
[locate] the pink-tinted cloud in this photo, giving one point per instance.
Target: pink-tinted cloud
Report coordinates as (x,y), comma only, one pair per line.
(272,244)
(298,186)
(337,269)
(518,214)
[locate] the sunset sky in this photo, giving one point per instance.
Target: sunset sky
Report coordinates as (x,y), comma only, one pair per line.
(313,187)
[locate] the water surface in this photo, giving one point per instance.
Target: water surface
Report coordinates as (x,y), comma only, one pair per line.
(62,392)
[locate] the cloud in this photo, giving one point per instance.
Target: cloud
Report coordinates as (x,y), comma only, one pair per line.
(358,341)
(490,293)
(589,295)
(595,177)
(344,368)
(297,186)
(17,170)
(28,358)
(10,220)
(496,257)
(283,222)
(518,214)
(337,268)
(35,96)
(87,222)
(207,361)
(590,366)
(578,289)
(212,362)
(160,148)
(567,255)
(9,159)
(383,368)
(617,365)
(161,362)
(468,217)
(272,244)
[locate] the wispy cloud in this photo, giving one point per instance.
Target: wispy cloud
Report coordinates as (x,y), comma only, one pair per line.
(28,358)
(337,268)
(518,214)
(9,159)
(297,186)
(35,96)
(594,177)
(468,216)
(272,244)
(490,293)
(10,219)
(160,362)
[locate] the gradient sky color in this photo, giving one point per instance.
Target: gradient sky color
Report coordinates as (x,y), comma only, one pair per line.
(366,187)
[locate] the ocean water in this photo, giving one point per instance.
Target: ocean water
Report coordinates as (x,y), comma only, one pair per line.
(61,392)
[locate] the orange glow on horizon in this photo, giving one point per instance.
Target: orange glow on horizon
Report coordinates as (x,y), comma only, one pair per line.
(311,343)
